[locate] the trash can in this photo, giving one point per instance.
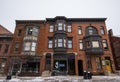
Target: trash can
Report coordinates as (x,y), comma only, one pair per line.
(8,77)
(85,75)
(89,75)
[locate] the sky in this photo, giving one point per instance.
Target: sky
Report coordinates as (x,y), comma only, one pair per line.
(11,10)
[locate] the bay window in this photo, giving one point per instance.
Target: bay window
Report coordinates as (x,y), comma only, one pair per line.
(95,44)
(32,31)
(60,42)
(60,26)
(29,46)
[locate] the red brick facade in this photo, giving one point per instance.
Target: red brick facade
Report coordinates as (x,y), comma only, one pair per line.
(5,44)
(64,51)
(115,45)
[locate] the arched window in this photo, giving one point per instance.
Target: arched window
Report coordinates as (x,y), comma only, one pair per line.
(91,31)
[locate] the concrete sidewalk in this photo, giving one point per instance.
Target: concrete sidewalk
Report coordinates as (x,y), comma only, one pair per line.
(63,79)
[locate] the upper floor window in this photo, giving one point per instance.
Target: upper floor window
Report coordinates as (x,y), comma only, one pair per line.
(50,43)
(32,30)
(79,30)
(19,32)
(95,44)
(102,30)
(6,48)
(81,44)
(69,28)
(91,31)
(105,45)
(69,42)
(88,44)
(29,46)
(16,46)
(60,26)
(51,29)
(60,42)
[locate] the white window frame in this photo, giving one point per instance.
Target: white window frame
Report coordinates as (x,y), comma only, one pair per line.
(95,44)
(69,28)
(51,28)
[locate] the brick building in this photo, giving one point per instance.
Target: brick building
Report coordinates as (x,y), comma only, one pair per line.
(66,46)
(5,44)
(115,45)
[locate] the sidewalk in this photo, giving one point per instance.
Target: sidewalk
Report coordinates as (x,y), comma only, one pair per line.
(63,79)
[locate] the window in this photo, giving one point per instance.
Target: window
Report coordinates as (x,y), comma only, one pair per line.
(6,48)
(64,42)
(81,44)
(32,30)
(91,30)
(19,32)
(33,46)
(16,47)
(95,44)
(98,63)
(2,67)
(102,30)
(79,30)
(60,26)
(105,45)
(35,31)
(51,29)
(27,46)
(69,43)
(88,44)
(55,43)
(64,27)
(60,43)
(50,43)
(69,27)
(89,64)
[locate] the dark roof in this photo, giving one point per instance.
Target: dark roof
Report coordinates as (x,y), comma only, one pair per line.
(74,19)
(4,31)
(30,21)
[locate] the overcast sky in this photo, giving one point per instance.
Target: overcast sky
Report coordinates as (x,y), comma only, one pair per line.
(11,10)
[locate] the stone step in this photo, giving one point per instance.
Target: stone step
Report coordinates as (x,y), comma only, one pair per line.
(46,73)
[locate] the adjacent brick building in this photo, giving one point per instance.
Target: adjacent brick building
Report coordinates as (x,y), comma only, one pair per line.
(115,45)
(66,46)
(5,43)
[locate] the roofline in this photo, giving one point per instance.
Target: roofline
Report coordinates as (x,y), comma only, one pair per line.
(6,29)
(75,19)
(30,21)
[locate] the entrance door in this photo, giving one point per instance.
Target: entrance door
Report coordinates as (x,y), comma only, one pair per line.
(108,58)
(71,66)
(80,67)
(15,68)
